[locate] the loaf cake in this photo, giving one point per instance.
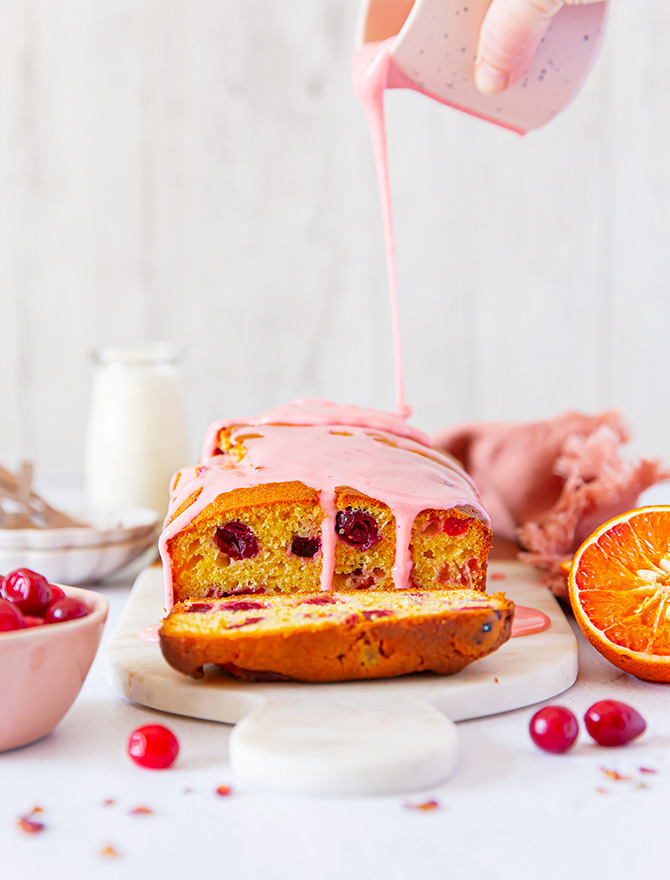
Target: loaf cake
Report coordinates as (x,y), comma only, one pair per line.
(338,635)
(319,543)
(316,496)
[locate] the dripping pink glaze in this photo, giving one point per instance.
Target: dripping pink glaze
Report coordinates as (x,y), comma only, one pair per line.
(371,461)
(528,621)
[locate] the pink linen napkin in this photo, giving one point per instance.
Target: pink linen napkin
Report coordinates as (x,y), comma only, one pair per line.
(548,485)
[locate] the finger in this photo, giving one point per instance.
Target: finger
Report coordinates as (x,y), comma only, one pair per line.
(510,34)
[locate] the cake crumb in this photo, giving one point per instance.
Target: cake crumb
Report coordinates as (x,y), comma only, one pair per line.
(648,770)
(141,811)
(108,802)
(109,852)
(224,790)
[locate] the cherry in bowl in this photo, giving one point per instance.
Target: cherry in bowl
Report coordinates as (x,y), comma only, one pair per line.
(11,617)
(27,599)
(43,666)
(28,590)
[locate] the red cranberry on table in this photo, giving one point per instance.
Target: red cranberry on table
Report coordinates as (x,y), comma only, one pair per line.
(612,723)
(153,746)
(11,617)
(554,729)
(65,609)
(27,589)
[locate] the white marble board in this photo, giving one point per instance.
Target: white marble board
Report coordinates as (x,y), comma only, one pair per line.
(354,737)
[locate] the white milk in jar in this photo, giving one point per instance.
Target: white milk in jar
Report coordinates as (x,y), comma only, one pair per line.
(136,437)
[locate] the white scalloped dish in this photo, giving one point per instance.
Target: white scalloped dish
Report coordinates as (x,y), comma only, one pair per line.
(85,554)
(106,527)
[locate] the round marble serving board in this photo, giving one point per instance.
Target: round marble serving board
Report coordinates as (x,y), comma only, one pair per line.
(354,737)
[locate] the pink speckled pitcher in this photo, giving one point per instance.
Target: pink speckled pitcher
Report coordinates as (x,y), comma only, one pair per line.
(435,46)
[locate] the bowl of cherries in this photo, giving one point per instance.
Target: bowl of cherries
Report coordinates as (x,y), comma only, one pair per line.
(49,635)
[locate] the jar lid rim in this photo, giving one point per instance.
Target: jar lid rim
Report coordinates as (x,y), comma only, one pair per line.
(142,354)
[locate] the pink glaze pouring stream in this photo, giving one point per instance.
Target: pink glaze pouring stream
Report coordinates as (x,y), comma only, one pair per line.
(429,46)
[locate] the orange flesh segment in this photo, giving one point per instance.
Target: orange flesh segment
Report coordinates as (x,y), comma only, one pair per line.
(624,589)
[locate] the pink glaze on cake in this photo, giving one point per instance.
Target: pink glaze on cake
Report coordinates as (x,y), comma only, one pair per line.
(305,411)
(325,456)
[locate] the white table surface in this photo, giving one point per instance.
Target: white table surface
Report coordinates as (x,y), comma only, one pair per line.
(509,811)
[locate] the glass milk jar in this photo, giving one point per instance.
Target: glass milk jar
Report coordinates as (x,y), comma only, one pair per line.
(136,436)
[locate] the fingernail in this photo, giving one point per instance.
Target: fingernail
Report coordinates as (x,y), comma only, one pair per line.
(489,79)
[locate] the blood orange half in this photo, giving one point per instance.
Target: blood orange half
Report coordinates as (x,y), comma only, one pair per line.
(619,587)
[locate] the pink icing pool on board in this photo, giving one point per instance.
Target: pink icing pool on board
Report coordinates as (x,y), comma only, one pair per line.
(150,633)
(528,621)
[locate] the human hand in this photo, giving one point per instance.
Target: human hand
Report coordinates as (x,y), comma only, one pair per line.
(510,34)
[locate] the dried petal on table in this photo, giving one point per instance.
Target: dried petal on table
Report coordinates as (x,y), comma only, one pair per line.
(109,852)
(614,776)
(30,826)
(426,806)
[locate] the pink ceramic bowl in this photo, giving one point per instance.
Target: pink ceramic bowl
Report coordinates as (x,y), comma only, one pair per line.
(43,668)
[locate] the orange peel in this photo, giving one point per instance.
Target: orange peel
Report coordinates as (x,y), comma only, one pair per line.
(619,587)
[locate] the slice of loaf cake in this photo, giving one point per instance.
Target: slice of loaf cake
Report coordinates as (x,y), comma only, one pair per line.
(315,496)
(338,635)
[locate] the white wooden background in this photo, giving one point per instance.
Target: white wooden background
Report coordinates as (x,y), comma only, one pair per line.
(199,170)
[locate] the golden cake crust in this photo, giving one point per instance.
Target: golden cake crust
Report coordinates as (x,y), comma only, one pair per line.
(371,636)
